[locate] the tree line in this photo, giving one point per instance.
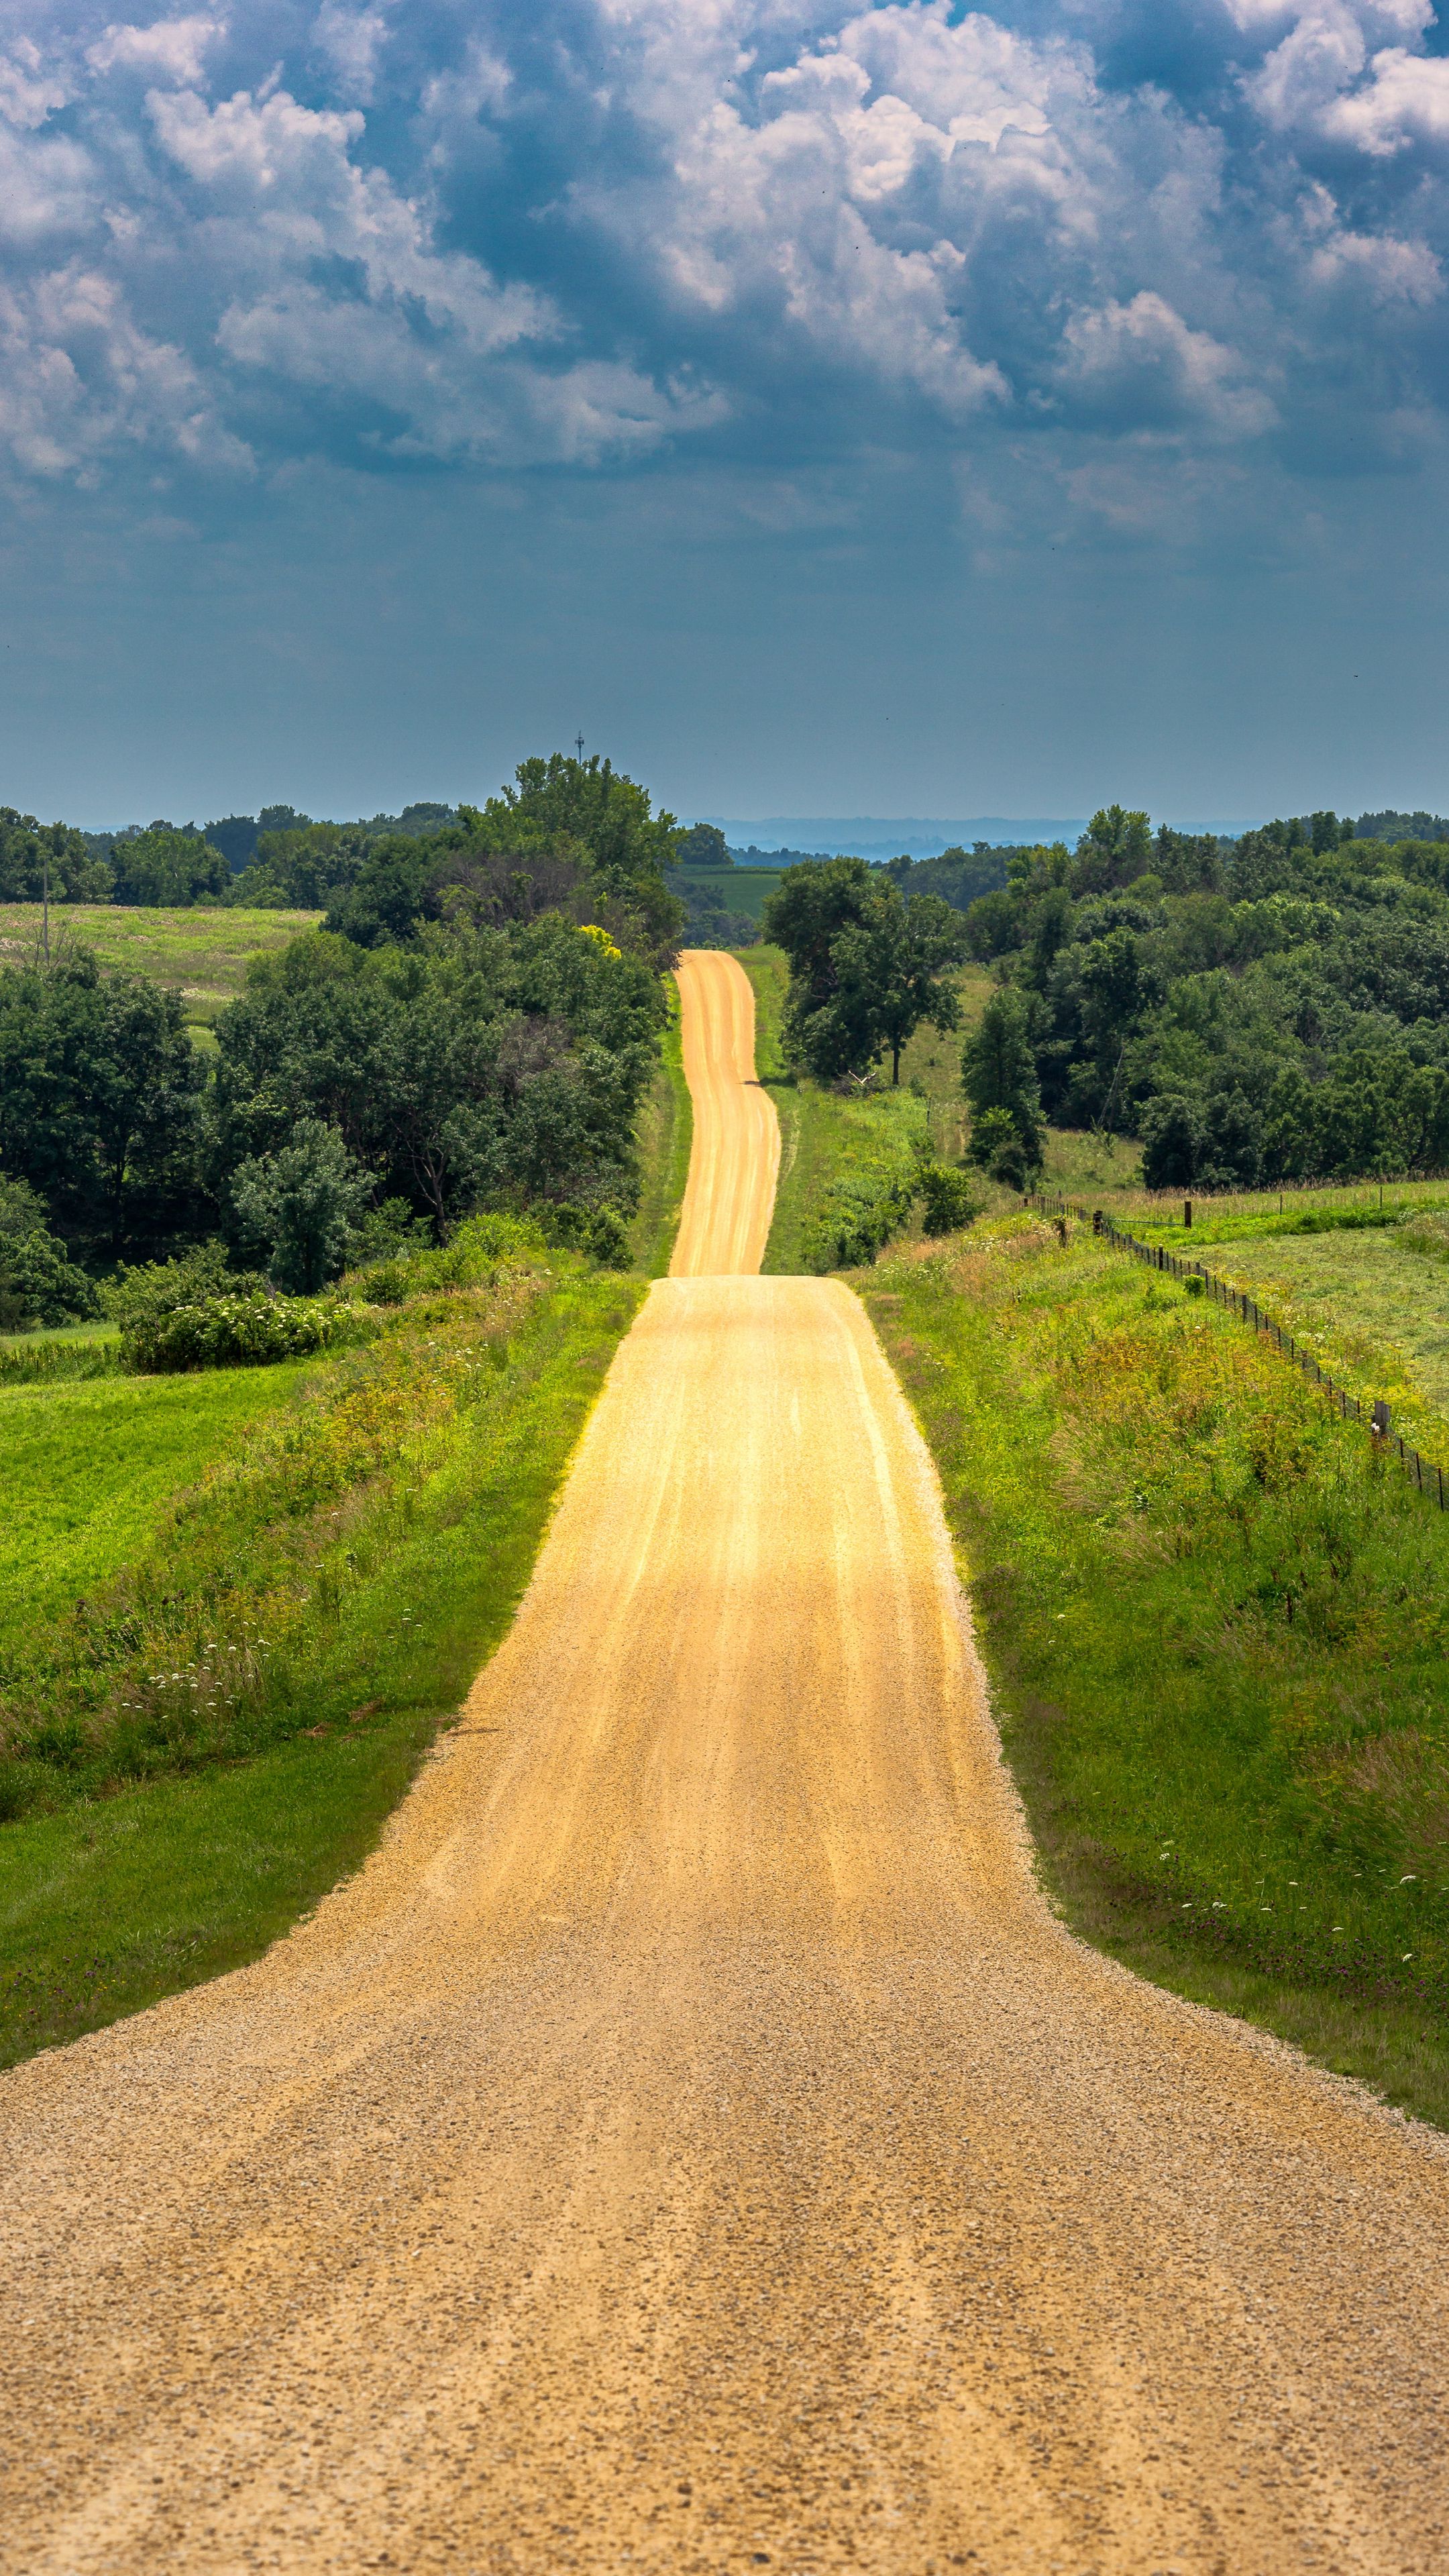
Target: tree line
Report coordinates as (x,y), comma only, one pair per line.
(472,1027)
(1270,1008)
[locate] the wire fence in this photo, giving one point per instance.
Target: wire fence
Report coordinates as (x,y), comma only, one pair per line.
(1421,1471)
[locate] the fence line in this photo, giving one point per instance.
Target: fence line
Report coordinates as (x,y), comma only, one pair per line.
(1425,1474)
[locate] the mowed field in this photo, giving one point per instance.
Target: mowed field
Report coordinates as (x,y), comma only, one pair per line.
(202,950)
(87,1468)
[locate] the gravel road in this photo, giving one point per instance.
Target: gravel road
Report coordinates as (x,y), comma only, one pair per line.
(691,2143)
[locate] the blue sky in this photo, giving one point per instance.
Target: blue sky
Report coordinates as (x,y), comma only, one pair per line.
(828,409)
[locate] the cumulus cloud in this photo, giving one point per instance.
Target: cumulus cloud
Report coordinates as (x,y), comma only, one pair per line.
(600,233)
(170,49)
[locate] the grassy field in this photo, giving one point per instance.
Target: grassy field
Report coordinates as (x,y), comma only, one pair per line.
(203,951)
(87,1471)
(1372,1308)
(739,889)
(1216,1624)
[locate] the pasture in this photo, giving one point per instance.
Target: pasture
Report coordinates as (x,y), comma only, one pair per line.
(202,949)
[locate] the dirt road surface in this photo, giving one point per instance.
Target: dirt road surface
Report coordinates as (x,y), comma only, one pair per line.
(691,2143)
(730,1198)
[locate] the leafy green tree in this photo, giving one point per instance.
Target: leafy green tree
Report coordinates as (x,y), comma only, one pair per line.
(99,1096)
(300,1206)
(704,847)
(474,1066)
(39,1283)
(1172,1142)
(306,868)
(810,907)
(891,969)
(948,1201)
(998,1072)
(629,850)
(998,1147)
(1115,847)
(36,857)
(164,866)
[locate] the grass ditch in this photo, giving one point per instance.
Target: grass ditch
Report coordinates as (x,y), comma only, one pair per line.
(1216,1623)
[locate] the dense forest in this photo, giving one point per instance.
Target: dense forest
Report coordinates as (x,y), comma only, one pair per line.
(471,1028)
(1266,1009)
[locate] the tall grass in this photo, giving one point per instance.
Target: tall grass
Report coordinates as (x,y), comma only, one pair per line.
(1217,1623)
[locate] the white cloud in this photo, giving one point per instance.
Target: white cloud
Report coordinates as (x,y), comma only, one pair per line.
(170,49)
(30,88)
(1406,101)
(78,377)
(1143,365)
(352,40)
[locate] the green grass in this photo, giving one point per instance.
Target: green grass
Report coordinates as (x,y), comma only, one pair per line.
(666,1131)
(204,951)
(1372,1309)
(282,1659)
(1216,1624)
(88,1469)
(739,889)
(835,1152)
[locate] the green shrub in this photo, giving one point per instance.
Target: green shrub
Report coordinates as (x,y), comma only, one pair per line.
(859,1214)
(191,1314)
(947,1199)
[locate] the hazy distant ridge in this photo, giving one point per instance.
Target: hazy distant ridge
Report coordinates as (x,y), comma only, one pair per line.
(882,836)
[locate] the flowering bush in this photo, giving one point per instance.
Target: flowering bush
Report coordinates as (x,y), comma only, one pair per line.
(192,1314)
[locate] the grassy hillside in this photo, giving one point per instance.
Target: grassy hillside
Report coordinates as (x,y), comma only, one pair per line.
(1216,1627)
(203,951)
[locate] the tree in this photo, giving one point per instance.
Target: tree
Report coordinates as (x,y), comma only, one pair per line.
(704,847)
(308,867)
(891,968)
(1115,847)
(473,1066)
(812,904)
(1172,1137)
(39,1284)
(300,1205)
(99,1095)
(593,806)
(162,865)
(40,858)
(998,1071)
